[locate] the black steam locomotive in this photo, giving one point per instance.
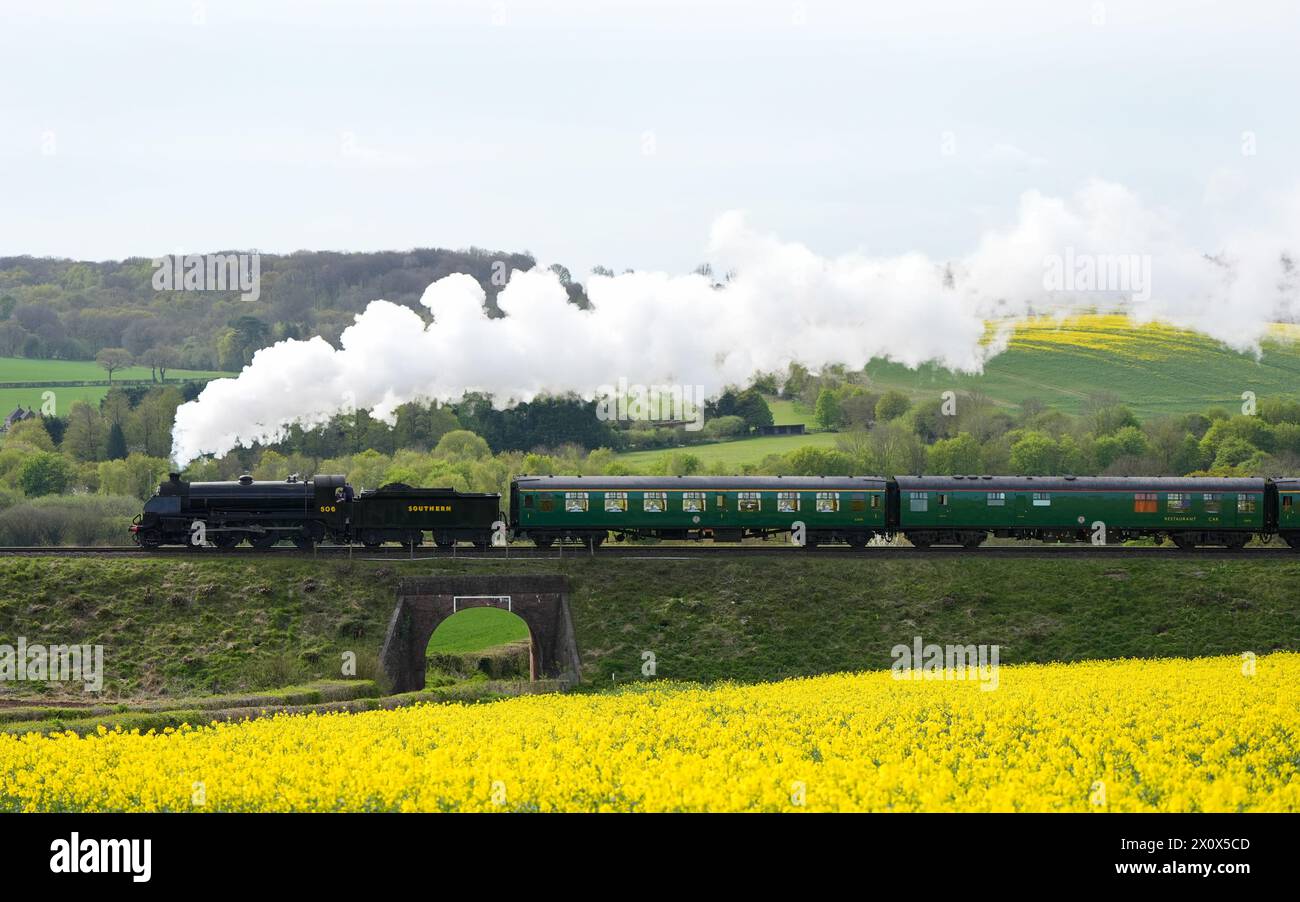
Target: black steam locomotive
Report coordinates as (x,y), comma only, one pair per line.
(306,512)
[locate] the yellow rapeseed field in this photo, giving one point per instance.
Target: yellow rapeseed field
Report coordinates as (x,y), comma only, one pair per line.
(1119,336)
(1169,735)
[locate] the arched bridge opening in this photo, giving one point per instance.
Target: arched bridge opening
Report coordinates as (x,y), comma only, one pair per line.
(423,603)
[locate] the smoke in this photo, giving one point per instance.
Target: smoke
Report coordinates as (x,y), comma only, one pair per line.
(1100,249)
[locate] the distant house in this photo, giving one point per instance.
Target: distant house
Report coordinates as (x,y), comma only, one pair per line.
(784,429)
(17,417)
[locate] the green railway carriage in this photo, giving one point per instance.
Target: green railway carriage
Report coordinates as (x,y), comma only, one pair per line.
(547,509)
(1287,497)
(956,510)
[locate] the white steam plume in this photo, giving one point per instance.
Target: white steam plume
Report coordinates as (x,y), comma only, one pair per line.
(784,303)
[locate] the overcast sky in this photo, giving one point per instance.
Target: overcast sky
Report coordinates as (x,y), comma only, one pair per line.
(615,133)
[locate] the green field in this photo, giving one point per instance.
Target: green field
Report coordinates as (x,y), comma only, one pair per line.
(742,451)
(47,372)
(476,629)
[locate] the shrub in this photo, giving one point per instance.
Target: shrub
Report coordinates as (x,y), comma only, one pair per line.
(68,520)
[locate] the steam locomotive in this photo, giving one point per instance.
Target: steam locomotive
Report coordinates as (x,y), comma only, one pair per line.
(306,512)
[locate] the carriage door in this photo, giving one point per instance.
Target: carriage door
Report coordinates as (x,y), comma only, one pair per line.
(1022,507)
(942,507)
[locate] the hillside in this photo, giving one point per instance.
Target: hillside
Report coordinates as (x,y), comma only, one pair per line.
(1153,368)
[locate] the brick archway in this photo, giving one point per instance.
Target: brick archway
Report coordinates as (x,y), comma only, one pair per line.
(424,602)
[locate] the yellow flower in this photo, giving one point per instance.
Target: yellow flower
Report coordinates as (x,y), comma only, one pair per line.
(1168,735)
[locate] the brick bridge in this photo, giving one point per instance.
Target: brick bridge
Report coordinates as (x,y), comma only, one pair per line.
(542,602)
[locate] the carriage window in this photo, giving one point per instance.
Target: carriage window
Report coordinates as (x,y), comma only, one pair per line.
(693,502)
(920,501)
(1286,502)
(943,499)
(997,499)
(528,501)
(1213,503)
(1042,499)
(749,502)
(654,502)
(1245,504)
(721,501)
(875,502)
(615,502)
(1177,501)
(548,503)
(787,502)
(1146,503)
(828,502)
(858,502)
(575,502)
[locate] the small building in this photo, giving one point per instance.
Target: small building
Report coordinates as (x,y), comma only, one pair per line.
(18,416)
(784,429)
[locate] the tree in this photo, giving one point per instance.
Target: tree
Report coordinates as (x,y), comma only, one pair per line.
(812,461)
(45,473)
(828,413)
(752,408)
(150,426)
(1126,442)
(135,475)
(892,405)
(859,408)
(893,448)
(462,444)
(160,360)
(953,456)
(116,448)
(1035,454)
(562,273)
(30,432)
(113,359)
(84,436)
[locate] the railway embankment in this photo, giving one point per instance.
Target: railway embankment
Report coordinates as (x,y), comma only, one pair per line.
(176,628)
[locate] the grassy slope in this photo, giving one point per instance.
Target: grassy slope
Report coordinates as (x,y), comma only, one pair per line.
(205,626)
(477,629)
(1155,370)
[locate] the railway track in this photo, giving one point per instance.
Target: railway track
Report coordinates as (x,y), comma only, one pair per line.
(663,551)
